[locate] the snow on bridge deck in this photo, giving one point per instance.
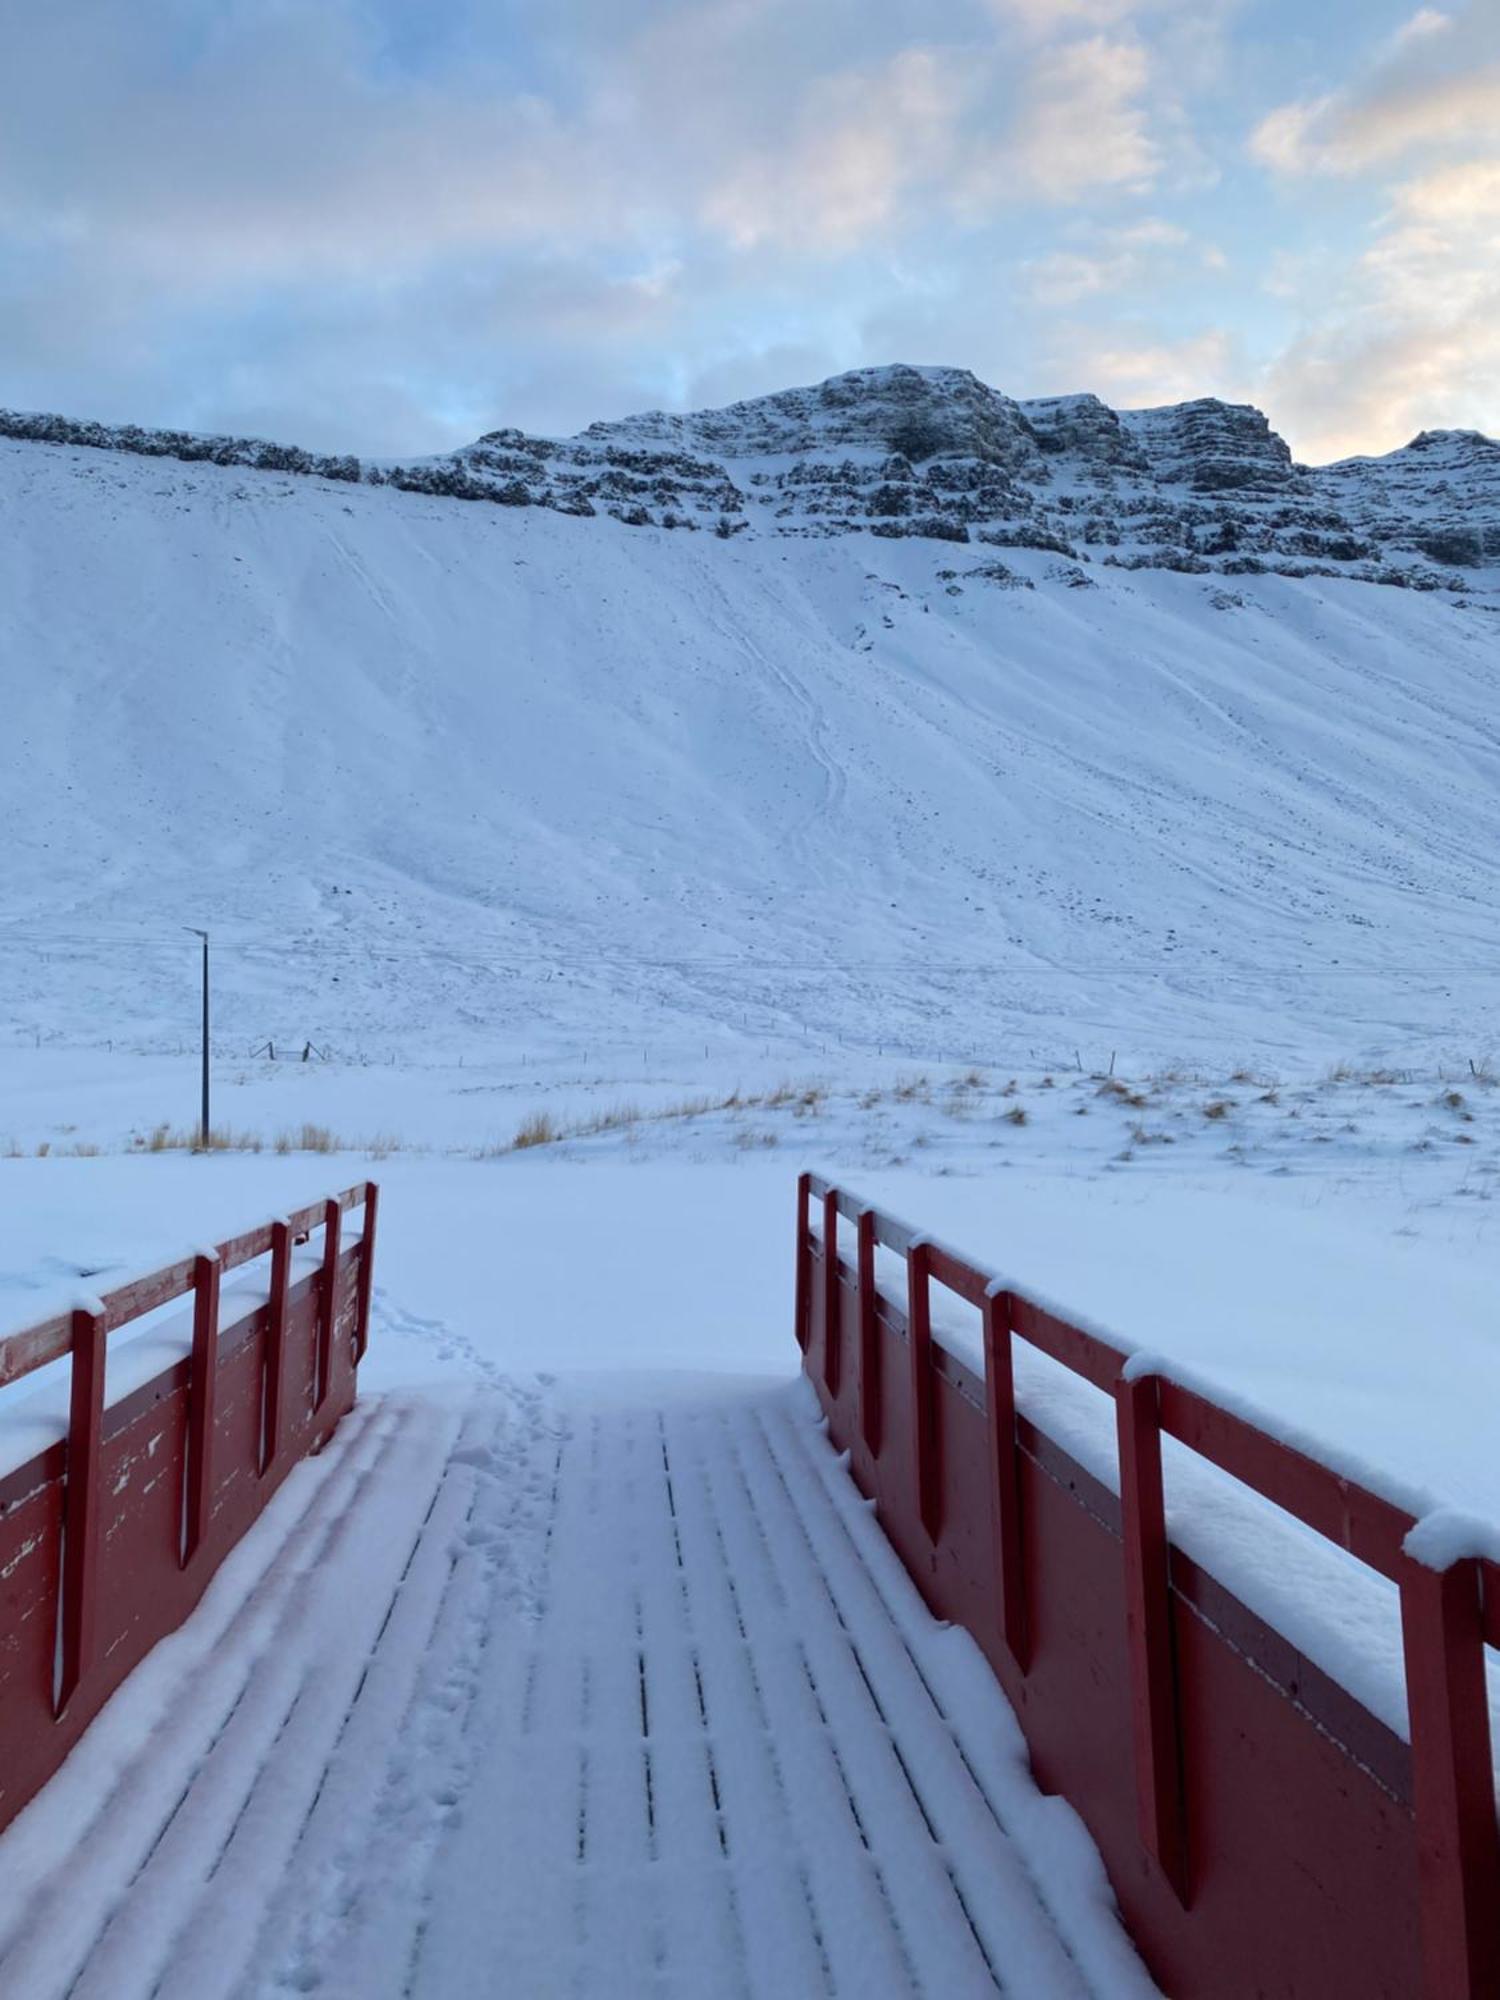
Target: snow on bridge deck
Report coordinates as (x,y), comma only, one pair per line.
(616,1692)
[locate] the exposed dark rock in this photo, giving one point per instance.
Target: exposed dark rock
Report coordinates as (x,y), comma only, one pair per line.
(935,453)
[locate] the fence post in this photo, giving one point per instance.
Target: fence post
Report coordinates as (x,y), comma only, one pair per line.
(80,1569)
(804,1262)
(366,1269)
(1005,1475)
(869,1336)
(275,1376)
(1148,1632)
(202,1394)
(328,1300)
(1458,1847)
(919,1351)
(833,1344)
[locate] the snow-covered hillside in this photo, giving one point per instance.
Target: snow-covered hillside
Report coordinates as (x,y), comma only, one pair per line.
(862,768)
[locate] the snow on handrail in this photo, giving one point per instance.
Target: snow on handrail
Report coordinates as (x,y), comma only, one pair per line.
(33,1347)
(1445,1568)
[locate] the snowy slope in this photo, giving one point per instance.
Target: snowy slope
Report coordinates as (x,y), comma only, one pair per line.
(447,776)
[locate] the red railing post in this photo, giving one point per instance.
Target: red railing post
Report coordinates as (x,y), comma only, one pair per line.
(923,1393)
(869,1336)
(833,1344)
(202,1396)
(275,1375)
(1458,1846)
(1148,1632)
(1005,1474)
(804,1262)
(80,1564)
(366,1269)
(328,1300)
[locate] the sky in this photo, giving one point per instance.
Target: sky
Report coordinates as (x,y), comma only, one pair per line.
(389,225)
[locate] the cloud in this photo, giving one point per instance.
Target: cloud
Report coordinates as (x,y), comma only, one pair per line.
(1054,17)
(1436,85)
(1405,335)
(1085,123)
(1416,342)
(1426,21)
(1157,371)
(1053,20)
(638,189)
(1115,261)
(863,142)
(279,141)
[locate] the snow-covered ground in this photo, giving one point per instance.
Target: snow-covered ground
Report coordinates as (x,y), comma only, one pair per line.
(450,779)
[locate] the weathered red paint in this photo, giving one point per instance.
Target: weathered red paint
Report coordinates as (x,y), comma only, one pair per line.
(1148,1631)
(81,1503)
(1458,1849)
(833,1351)
(202,1398)
(367,1266)
(803,1265)
(109,1536)
(869,1336)
(1005,1473)
(329,1283)
(276,1311)
(919,1358)
(1266,1834)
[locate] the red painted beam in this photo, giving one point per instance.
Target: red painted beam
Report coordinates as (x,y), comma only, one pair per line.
(1005,1475)
(202,1406)
(81,1506)
(1155,1735)
(923,1389)
(833,1345)
(274,1389)
(1458,1847)
(804,1261)
(870,1346)
(328,1294)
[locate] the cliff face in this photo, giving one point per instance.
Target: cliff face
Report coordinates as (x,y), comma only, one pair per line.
(1202,486)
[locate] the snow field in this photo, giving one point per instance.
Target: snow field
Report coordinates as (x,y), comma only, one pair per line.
(587,792)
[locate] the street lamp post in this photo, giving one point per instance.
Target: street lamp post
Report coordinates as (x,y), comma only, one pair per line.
(203,1124)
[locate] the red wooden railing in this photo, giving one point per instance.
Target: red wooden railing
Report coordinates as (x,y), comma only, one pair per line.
(1266,1834)
(109,1534)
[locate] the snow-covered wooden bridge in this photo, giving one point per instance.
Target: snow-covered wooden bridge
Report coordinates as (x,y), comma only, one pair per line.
(640,1685)
(605,1693)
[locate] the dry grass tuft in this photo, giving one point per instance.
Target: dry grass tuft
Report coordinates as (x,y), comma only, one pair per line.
(1121,1092)
(166,1138)
(616,1118)
(540,1129)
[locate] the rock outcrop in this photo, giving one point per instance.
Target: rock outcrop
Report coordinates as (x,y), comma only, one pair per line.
(935,453)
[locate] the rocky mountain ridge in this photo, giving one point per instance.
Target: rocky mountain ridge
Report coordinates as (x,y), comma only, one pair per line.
(1202,486)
